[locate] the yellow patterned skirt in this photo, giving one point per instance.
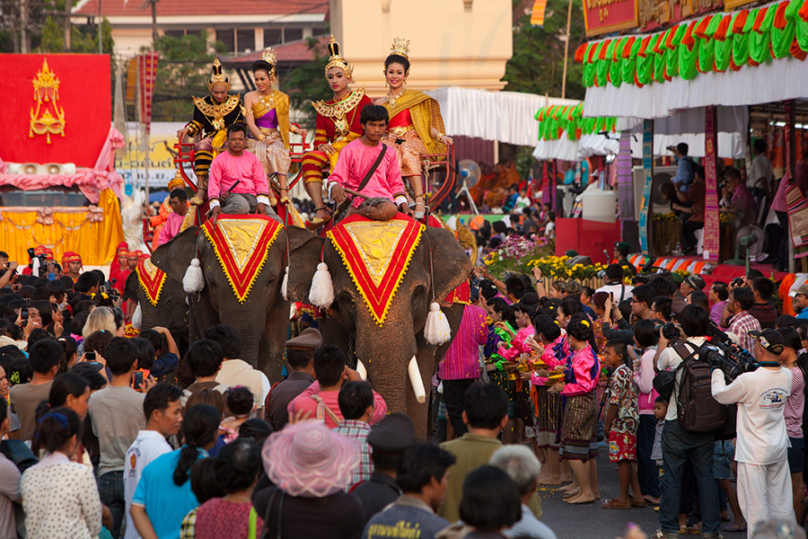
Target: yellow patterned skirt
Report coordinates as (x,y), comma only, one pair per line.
(409,152)
(274,157)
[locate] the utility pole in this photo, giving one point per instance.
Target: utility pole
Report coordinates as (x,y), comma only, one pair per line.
(566,52)
(100,34)
(68,12)
(154,23)
(24,27)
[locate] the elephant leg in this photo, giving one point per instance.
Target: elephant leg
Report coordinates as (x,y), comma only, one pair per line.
(203,315)
(273,343)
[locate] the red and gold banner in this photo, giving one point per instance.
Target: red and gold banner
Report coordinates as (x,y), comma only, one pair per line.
(80,86)
(147,74)
(242,243)
(711,224)
(376,254)
(605,16)
(151,279)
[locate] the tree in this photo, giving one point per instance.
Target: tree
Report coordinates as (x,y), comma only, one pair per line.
(182,71)
(307,83)
(537,63)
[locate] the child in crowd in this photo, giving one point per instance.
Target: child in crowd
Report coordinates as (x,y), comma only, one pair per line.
(621,424)
(240,406)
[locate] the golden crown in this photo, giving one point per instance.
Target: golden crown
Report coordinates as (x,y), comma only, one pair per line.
(217,76)
(401,47)
(269,56)
(335,59)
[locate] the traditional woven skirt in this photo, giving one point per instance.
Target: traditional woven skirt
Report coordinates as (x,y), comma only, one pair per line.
(409,152)
(274,157)
(548,416)
(579,428)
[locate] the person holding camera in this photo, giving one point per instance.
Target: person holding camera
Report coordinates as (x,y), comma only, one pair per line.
(684,167)
(761,449)
(679,445)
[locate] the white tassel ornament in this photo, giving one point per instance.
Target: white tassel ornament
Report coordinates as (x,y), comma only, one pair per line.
(193,281)
(285,284)
(322,290)
(437,329)
(137,317)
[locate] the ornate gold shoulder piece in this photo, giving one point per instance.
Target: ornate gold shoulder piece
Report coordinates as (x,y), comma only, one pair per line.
(340,108)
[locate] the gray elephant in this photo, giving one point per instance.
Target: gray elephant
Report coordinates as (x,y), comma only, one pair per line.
(262,320)
(171,311)
(386,350)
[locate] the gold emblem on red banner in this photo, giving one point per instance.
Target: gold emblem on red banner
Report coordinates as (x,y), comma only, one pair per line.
(46,95)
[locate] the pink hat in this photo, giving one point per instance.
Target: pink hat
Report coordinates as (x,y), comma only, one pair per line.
(309,460)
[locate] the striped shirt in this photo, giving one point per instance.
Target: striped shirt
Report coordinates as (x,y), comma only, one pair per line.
(359,431)
(741,324)
(462,360)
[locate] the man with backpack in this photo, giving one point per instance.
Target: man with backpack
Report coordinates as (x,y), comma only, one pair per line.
(761,450)
(680,445)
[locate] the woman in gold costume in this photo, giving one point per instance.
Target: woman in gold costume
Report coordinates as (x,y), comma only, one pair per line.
(416,126)
(268,120)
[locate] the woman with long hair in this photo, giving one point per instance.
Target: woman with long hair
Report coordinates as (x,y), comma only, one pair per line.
(101,318)
(60,497)
(163,496)
(69,390)
(416,126)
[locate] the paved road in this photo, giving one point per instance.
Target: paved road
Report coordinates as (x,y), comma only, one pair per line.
(592,521)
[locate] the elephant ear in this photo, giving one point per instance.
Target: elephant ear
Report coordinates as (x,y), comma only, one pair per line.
(450,264)
(305,251)
(175,256)
(130,287)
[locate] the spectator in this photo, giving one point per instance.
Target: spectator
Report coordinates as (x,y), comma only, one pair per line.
(764,488)
(801,302)
(321,399)
(60,498)
(490,502)
(691,204)
(116,414)
(621,251)
(795,408)
(614,284)
(760,180)
(237,372)
(742,202)
(641,302)
(738,305)
(763,308)
(423,478)
(300,357)
(204,358)
(309,467)
(163,411)
(719,293)
(205,487)
(645,342)
(679,446)
(524,468)
(237,469)
(356,406)
(691,283)
(9,481)
(388,438)
(663,286)
(165,360)
(45,358)
(684,168)
(163,495)
(460,367)
(662,308)
(240,406)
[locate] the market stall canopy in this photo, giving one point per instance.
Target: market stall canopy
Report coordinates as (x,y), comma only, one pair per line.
(745,57)
(502,116)
(566,135)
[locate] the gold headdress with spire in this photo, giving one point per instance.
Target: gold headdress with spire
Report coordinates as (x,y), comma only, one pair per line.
(218,76)
(335,59)
(269,56)
(400,47)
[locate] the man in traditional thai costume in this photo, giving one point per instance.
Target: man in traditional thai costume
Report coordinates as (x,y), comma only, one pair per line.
(416,126)
(71,265)
(158,221)
(179,219)
(213,114)
(338,123)
(370,167)
(238,183)
(268,121)
(119,264)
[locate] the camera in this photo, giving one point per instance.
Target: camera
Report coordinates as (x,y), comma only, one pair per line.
(671,148)
(722,353)
(737,281)
(669,331)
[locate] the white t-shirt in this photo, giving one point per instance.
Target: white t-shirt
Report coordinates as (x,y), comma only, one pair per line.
(148,445)
(761,174)
(761,396)
(617,290)
(669,359)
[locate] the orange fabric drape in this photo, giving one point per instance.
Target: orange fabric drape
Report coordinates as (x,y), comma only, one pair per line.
(70,231)
(788,301)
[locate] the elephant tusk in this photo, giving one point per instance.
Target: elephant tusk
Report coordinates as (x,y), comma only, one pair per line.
(361,370)
(415,380)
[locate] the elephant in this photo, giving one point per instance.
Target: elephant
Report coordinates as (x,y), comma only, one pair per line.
(386,350)
(262,321)
(171,311)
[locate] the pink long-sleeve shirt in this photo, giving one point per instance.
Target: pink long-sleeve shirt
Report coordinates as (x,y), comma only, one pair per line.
(305,403)
(226,169)
(554,355)
(171,228)
(518,346)
(644,377)
(581,375)
(354,163)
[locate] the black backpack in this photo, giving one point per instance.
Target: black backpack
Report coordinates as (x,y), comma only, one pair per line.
(697,408)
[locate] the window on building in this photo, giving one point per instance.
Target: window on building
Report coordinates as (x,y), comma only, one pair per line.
(193,32)
(292,34)
(228,37)
(273,36)
(246,39)
(175,33)
(319,31)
